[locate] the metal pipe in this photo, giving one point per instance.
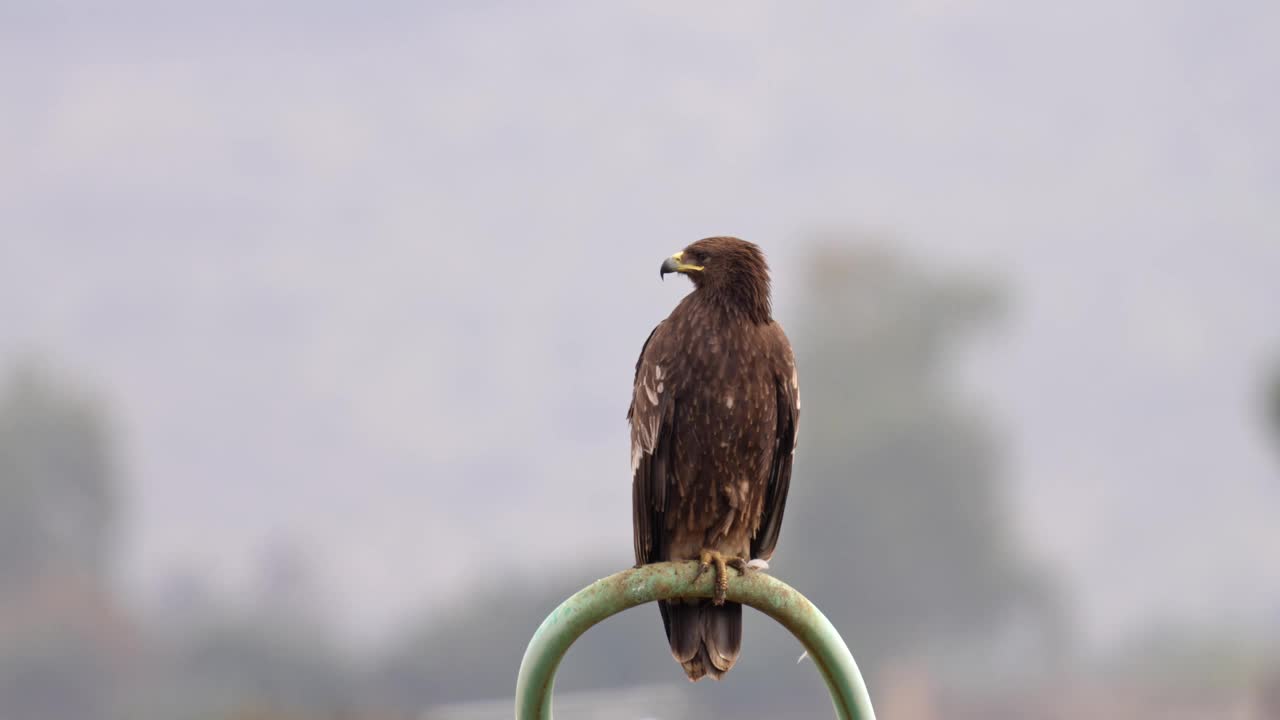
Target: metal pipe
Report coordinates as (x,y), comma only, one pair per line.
(662,581)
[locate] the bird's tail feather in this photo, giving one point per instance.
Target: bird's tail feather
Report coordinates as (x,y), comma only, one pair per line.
(705,638)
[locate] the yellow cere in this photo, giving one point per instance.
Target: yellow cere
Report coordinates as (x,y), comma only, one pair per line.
(681,267)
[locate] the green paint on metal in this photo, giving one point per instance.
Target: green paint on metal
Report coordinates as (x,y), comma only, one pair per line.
(662,581)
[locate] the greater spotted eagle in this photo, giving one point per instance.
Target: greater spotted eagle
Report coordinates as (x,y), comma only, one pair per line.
(714,410)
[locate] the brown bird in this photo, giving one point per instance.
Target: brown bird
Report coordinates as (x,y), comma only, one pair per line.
(714,411)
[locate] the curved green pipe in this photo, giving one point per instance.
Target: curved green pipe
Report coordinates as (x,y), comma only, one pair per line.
(663,581)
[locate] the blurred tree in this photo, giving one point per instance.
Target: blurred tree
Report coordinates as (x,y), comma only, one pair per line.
(62,639)
(58,500)
(473,649)
(897,525)
(274,655)
(244,662)
(468,652)
(65,650)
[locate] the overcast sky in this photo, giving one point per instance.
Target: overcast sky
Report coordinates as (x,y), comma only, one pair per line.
(373,278)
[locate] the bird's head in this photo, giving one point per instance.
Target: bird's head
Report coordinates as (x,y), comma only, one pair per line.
(726,269)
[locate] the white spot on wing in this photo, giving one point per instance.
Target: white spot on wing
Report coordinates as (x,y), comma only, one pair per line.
(653,397)
(728,401)
(660,385)
(657,371)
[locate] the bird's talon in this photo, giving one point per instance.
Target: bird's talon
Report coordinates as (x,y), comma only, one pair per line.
(722,581)
(704,562)
(720,589)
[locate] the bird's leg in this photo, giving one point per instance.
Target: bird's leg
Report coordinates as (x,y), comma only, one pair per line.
(704,562)
(707,558)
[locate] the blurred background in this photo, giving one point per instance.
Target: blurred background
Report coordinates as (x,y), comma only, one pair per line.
(318,323)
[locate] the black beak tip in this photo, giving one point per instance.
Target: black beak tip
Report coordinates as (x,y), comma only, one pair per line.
(668,266)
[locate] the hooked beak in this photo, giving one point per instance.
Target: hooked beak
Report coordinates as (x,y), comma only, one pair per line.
(673,264)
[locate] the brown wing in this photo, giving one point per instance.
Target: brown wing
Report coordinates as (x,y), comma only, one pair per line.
(652,416)
(787,384)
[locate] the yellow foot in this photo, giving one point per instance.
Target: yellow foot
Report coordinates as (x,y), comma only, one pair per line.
(707,558)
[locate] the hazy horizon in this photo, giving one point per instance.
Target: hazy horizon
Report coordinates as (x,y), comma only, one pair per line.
(344,283)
